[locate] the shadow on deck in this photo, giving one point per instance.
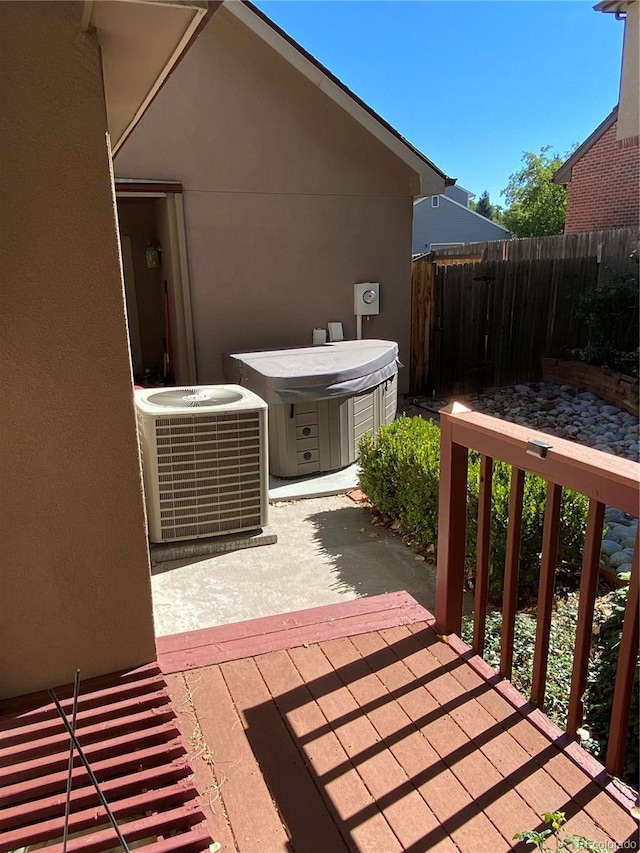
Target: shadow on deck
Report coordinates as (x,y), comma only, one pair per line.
(352,727)
(355,727)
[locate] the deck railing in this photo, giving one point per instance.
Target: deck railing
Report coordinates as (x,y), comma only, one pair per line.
(604,479)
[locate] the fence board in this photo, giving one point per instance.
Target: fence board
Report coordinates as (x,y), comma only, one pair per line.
(488,324)
(612,247)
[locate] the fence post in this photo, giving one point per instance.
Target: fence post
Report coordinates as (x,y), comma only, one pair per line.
(422,277)
(452,522)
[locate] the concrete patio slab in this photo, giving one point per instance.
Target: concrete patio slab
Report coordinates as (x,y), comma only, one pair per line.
(328,551)
(316,486)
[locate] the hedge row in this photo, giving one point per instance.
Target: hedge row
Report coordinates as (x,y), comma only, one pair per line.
(401,476)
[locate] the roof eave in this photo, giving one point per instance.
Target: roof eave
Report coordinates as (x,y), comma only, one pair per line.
(563,175)
(612,6)
(141,42)
(428,180)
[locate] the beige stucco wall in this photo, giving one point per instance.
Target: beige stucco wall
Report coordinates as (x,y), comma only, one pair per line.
(288,200)
(629,109)
(75,583)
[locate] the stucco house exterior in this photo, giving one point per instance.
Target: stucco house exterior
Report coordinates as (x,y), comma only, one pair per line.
(447,220)
(270,189)
(74,563)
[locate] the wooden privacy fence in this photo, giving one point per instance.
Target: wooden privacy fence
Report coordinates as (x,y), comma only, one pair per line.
(487,324)
(612,248)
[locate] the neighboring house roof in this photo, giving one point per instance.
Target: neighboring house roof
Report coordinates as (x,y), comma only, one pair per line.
(465,190)
(468,210)
(563,175)
(432,180)
(479,215)
(450,223)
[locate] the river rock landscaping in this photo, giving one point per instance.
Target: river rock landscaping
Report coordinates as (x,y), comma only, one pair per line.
(564,411)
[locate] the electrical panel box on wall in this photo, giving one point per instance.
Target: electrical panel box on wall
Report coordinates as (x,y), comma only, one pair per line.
(367,298)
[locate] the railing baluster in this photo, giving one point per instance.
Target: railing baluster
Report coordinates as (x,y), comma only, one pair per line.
(482,562)
(452,522)
(584,629)
(563,464)
(510,597)
(548,565)
(625,674)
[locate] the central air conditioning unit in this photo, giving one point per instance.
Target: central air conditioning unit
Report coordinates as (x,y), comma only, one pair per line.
(204,460)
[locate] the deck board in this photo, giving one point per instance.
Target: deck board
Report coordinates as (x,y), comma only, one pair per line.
(298,798)
(369,732)
(205,771)
(387,718)
(195,649)
(343,789)
(247,802)
(350,728)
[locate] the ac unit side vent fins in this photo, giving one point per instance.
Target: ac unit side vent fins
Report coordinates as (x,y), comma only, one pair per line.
(205,468)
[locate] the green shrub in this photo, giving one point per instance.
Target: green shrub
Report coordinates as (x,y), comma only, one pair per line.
(598,699)
(553,822)
(609,311)
(560,662)
(401,477)
(401,474)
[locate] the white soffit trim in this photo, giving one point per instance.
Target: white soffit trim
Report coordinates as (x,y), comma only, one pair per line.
(134,71)
(431,182)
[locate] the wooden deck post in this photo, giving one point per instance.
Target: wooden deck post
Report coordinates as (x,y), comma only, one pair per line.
(511,572)
(452,518)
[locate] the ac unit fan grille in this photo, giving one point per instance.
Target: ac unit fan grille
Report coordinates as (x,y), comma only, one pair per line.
(209,473)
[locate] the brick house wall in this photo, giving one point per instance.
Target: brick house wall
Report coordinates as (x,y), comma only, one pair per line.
(604,191)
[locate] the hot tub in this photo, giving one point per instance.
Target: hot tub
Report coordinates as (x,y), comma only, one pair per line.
(322,399)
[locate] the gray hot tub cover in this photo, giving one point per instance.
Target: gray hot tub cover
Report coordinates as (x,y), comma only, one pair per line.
(339,369)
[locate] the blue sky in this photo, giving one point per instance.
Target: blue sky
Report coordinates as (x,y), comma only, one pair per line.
(471,83)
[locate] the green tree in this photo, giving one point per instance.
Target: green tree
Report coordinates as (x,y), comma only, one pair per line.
(536,207)
(483,206)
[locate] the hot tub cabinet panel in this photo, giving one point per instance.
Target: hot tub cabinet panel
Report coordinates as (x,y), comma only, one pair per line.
(323,435)
(322,399)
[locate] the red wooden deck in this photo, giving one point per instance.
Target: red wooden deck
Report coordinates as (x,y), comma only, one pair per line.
(355,727)
(351,727)
(126,726)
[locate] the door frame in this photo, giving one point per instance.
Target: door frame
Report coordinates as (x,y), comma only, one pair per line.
(131,301)
(175,270)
